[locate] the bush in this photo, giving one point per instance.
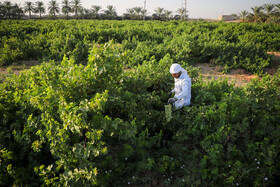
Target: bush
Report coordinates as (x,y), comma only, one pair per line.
(101,125)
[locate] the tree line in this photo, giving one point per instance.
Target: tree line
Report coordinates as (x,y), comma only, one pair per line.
(74,9)
(268,13)
(69,9)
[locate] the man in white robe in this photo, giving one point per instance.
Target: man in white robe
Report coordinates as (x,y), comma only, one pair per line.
(182,87)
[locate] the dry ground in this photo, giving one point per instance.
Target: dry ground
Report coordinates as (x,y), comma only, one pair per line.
(238,76)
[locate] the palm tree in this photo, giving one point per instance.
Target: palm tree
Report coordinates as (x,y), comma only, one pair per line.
(138,11)
(66,7)
(17,11)
(130,13)
(28,7)
(269,10)
(85,13)
(95,11)
(181,12)
(2,11)
(159,13)
(243,14)
(7,8)
(144,12)
(39,8)
(257,11)
(53,7)
(167,14)
(76,6)
(111,11)
(277,8)
(80,13)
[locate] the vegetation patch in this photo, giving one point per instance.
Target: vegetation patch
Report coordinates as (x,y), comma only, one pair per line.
(231,45)
(68,124)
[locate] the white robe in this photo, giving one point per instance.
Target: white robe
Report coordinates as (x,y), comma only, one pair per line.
(182,90)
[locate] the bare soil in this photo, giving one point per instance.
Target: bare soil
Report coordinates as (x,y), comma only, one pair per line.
(238,76)
(18,68)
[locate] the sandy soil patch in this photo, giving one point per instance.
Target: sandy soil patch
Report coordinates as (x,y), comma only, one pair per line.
(239,76)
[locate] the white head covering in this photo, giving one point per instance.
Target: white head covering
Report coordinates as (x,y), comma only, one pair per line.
(175,68)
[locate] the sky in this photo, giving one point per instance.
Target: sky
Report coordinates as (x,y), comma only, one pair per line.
(196,8)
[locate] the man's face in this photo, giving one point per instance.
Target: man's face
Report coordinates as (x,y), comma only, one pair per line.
(176,75)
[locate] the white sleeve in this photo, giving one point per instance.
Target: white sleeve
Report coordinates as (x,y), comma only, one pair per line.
(184,92)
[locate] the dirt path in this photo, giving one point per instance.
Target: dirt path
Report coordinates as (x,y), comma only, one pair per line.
(239,76)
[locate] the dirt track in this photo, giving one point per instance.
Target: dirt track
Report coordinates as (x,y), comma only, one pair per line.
(239,76)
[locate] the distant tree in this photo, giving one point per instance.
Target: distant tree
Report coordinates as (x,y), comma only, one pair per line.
(243,15)
(66,8)
(2,11)
(167,14)
(85,13)
(28,7)
(277,8)
(7,9)
(130,12)
(257,12)
(181,12)
(53,7)
(144,13)
(275,18)
(39,8)
(268,8)
(111,12)
(17,11)
(95,11)
(76,6)
(138,11)
(159,12)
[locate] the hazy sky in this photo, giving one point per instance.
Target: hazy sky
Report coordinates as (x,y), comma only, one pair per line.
(197,8)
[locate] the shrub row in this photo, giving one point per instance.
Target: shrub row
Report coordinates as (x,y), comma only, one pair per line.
(228,44)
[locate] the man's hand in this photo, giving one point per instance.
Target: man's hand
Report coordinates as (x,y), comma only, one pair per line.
(172,100)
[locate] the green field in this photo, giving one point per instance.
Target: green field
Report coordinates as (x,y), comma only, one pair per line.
(231,45)
(93,112)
